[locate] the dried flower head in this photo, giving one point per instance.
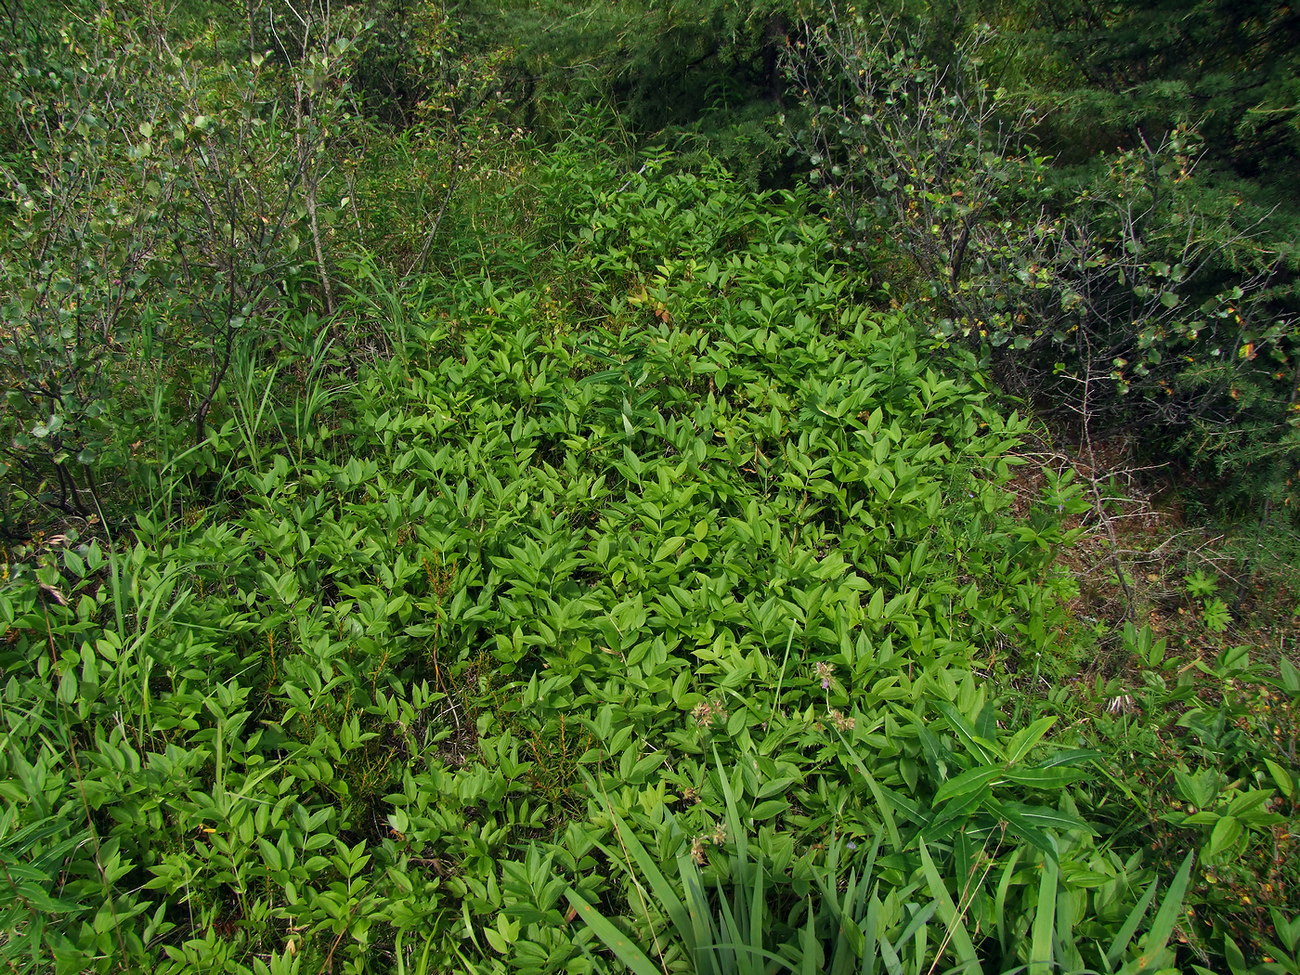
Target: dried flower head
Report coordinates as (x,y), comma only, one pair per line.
(697,851)
(824,672)
(1121,704)
(841,722)
(707,713)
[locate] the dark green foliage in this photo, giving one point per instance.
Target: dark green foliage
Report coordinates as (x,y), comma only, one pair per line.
(534,544)
(1128,74)
(481,532)
(1129,294)
(1230,68)
(160,210)
(698,74)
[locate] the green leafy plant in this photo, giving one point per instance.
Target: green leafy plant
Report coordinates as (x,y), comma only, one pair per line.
(647,493)
(1214,611)
(156,206)
(739,914)
(1119,295)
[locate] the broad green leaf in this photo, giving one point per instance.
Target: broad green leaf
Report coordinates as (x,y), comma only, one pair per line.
(1285,781)
(985,751)
(1023,741)
(669,547)
(969,781)
(1224,836)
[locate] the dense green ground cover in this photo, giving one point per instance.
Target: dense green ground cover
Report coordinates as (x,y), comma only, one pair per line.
(655,542)
(443,536)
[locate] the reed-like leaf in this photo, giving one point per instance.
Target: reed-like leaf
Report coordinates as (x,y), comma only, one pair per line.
(1041,958)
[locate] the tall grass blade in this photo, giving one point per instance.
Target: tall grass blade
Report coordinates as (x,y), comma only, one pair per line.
(1162,927)
(1124,936)
(886,813)
(640,863)
(1000,898)
(1041,960)
(613,939)
(956,929)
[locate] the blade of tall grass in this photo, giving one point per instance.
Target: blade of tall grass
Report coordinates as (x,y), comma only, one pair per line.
(250,391)
(636,858)
(948,912)
(780,679)
(150,610)
(421,966)
(1000,899)
(1124,936)
(314,396)
(739,949)
(870,932)
(1041,959)
(917,921)
(1162,926)
(735,829)
(699,933)
(886,813)
(756,920)
(813,957)
(613,939)
(375,298)
(893,963)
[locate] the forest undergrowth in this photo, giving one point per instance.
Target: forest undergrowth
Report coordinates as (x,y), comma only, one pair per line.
(569,558)
(659,529)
